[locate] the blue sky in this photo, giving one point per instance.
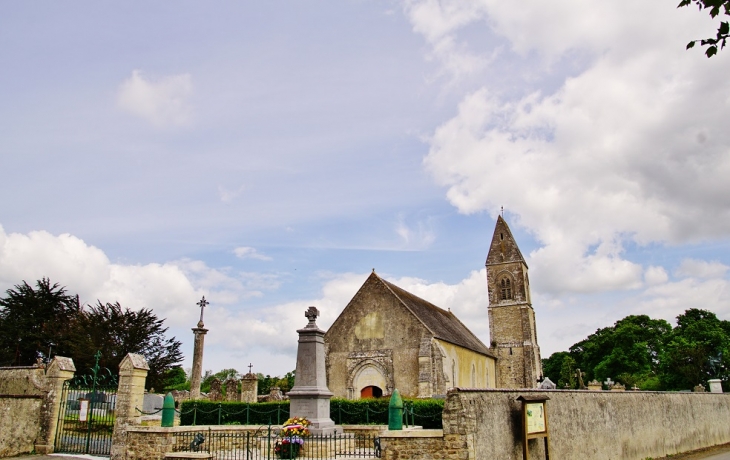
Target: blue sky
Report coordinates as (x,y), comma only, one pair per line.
(268,156)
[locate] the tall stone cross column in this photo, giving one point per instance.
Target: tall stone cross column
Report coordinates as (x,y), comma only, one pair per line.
(197,372)
(310,396)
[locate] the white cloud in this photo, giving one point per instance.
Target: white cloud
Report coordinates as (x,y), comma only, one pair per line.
(170,289)
(655,275)
(416,236)
(694,268)
(161,101)
(246,252)
(633,148)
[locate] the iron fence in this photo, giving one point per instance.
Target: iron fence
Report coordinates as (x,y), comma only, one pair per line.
(266,443)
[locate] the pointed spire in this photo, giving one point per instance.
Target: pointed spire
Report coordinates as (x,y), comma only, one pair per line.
(504,247)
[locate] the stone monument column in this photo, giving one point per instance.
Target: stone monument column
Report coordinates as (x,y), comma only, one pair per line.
(310,396)
(197,372)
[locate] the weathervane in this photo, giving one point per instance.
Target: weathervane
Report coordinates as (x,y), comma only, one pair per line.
(202,304)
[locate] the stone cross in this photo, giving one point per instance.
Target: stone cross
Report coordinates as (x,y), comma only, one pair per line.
(609,383)
(312,313)
(202,304)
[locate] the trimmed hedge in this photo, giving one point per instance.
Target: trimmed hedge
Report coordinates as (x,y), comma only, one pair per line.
(233,413)
(423,412)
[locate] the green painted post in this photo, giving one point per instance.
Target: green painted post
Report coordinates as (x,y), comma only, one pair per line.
(395,412)
(168,411)
(219,413)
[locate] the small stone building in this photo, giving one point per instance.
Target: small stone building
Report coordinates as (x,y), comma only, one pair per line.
(388,338)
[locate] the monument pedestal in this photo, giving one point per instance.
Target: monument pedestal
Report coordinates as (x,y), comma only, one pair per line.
(310,397)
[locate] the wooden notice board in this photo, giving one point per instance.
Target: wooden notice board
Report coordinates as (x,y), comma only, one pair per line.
(534,422)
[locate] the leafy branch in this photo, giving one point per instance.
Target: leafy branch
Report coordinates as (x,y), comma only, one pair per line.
(723,32)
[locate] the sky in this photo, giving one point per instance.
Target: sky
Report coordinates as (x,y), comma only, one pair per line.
(270,155)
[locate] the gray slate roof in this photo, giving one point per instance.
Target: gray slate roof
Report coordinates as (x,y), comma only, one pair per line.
(443,324)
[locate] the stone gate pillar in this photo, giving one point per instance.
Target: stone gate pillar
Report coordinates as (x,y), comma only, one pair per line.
(310,396)
(130,396)
(249,388)
(57,372)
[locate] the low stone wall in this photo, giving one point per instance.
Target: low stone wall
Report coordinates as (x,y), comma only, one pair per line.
(423,445)
(599,425)
(20,423)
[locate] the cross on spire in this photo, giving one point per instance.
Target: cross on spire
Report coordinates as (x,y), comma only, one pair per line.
(202,304)
(249,367)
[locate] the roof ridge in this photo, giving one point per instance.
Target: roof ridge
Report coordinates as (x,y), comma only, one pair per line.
(388,285)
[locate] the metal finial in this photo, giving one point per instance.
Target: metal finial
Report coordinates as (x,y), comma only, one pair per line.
(202,304)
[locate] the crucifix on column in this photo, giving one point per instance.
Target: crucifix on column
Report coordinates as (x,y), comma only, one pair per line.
(202,304)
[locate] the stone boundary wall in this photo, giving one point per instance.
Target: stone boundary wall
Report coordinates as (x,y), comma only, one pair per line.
(599,425)
(20,423)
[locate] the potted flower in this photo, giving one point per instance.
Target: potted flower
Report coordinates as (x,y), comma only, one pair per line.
(292,437)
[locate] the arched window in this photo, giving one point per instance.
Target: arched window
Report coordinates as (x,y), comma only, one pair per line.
(506,288)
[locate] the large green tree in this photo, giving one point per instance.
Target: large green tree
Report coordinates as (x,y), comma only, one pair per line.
(697,350)
(628,351)
(716,8)
(117,331)
(34,320)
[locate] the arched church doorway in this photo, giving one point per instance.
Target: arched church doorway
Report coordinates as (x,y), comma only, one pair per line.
(371,392)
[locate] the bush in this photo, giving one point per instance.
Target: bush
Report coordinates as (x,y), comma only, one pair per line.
(423,412)
(227,413)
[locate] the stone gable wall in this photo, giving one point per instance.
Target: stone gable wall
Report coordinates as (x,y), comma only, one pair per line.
(374,326)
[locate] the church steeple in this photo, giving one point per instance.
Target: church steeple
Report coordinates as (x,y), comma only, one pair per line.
(511,318)
(504,247)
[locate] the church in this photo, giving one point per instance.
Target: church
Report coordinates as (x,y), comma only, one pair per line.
(387,338)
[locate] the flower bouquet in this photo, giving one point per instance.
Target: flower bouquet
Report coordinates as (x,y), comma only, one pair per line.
(292,437)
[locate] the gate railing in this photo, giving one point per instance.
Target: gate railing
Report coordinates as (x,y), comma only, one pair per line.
(266,443)
(86,417)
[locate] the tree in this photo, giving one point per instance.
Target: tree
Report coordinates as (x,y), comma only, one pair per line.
(697,350)
(716,7)
(551,366)
(117,331)
(34,321)
(220,375)
(628,351)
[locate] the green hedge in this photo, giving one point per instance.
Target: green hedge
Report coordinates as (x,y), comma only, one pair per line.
(422,412)
(233,413)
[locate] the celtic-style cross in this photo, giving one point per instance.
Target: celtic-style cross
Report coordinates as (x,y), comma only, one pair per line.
(312,313)
(202,304)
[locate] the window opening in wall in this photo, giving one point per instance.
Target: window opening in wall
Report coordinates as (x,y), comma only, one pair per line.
(501,236)
(506,289)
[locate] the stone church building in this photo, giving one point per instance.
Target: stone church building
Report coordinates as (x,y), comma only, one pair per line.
(388,338)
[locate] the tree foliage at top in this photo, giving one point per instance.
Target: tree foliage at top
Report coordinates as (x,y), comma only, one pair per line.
(641,351)
(34,320)
(716,7)
(31,320)
(117,331)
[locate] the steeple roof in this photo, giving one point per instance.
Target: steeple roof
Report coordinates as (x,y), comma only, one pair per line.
(504,247)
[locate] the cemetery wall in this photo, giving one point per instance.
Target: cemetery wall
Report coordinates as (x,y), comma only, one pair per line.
(20,424)
(590,424)
(21,401)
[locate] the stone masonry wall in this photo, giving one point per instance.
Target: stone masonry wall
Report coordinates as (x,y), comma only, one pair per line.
(20,424)
(590,424)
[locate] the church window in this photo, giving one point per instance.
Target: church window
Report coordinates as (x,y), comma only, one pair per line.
(506,289)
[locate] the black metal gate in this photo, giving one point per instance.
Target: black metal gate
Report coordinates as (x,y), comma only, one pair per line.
(86,418)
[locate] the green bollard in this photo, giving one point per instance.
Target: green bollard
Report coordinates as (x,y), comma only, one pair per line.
(168,411)
(395,412)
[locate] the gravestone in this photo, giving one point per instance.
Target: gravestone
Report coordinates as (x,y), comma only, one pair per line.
(152,403)
(249,387)
(231,389)
(715,385)
(216,392)
(699,388)
(594,385)
(547,384)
